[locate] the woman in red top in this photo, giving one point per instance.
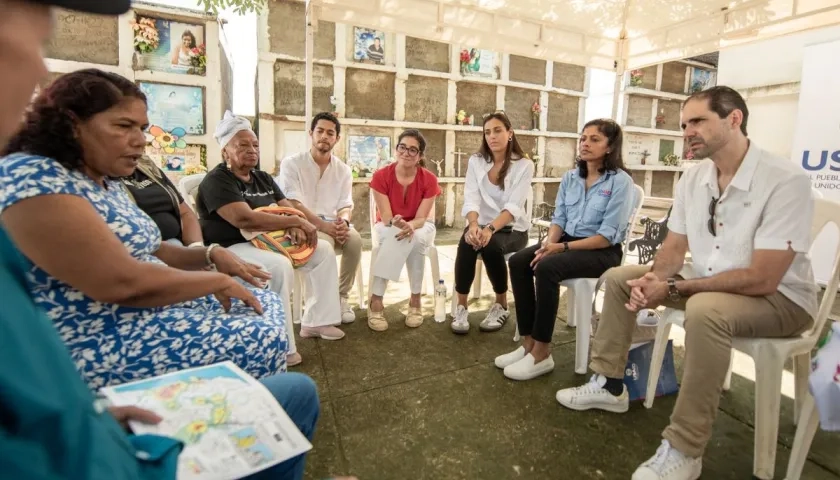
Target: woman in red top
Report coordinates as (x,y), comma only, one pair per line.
(405,194)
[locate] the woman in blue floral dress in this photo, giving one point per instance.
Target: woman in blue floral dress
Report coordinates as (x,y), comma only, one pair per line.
(126,305)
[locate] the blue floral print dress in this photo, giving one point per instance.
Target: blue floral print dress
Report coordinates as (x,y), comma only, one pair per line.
(113,344)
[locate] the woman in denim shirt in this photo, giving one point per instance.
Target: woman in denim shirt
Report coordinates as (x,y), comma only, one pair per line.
(593,208)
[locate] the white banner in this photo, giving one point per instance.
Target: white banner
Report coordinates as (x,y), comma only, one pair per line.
(816,145)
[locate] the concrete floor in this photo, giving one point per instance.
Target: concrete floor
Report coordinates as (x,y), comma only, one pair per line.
(427,404)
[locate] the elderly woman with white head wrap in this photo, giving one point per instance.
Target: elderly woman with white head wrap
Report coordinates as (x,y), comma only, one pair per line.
(227,201)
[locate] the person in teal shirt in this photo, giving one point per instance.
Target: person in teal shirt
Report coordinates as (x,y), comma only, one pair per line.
(51,426)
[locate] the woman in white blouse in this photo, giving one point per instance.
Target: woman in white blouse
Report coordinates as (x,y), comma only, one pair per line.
(498,179)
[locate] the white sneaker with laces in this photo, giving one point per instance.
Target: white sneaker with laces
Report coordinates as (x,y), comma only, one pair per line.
(347,313)
(593,395)
(669,464)
(460,323)
(529,368)
(495,319)
(503,361)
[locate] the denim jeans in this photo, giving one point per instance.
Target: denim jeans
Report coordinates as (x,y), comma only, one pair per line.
(298,396)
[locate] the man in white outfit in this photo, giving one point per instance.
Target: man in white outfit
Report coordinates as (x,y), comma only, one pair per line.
(322,181)
(226,203)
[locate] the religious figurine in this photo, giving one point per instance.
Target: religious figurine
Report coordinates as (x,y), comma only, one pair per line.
(438,164)
(644,155)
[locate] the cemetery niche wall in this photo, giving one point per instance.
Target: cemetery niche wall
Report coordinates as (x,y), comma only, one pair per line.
(379,83)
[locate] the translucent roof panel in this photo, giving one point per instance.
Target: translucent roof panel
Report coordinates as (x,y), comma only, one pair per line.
(588,32)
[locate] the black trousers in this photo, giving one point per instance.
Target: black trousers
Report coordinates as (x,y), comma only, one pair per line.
(493,255)
(536,302)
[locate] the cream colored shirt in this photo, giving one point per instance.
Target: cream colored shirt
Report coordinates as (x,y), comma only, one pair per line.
(488,204)
(301,180)
(767,206)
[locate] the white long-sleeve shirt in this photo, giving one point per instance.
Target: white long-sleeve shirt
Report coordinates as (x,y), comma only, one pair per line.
(489,201)
(325,194)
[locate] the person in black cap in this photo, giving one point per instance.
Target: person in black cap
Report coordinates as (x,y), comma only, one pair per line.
(51,427)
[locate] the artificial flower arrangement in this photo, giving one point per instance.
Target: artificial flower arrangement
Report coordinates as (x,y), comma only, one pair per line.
(636,77)
(195,169)
(198,60)
(465,60)
(146,37)
(536,109)
(671,160)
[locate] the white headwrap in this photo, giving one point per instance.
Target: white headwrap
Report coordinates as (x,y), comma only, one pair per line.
(230,126)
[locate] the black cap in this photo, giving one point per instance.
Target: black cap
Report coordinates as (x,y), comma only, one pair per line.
(104,7)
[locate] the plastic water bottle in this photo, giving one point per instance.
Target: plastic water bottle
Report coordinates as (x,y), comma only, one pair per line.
(440,302)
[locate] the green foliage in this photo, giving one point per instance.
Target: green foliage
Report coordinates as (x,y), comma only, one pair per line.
(240,7)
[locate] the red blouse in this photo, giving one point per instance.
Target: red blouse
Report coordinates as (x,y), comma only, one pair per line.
(425,185)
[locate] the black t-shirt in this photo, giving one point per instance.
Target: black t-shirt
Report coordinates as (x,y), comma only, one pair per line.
(221,187)
(159,204)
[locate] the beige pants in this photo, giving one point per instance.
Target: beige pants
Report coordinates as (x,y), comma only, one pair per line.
(711,320)
(351,257)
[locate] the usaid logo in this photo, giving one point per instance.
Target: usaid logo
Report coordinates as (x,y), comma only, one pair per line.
(820,160)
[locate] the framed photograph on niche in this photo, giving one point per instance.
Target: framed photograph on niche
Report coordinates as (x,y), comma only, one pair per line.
(173,106)
(701,79)
(166,46)
(178,162)
(368,45)
(476,62)
(366,154)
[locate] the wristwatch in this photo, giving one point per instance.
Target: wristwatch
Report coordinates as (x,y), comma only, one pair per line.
(565,247)
(673,292)
(491,228)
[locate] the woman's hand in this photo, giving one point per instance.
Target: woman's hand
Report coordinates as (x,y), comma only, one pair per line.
(484,236)
(472,234)
(234,289)
(228,263)
(296,235)
(123,415)
(407,231)
(546,250)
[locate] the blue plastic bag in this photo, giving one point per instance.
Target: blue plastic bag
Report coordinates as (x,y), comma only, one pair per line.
(638,369)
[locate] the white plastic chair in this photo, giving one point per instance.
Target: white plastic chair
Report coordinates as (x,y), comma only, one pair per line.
(582,291)
(768,353)
(188,186)
(809,421)
(431,252)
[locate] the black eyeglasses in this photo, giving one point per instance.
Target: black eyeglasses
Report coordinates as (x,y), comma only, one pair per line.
(413,151)
(712,207)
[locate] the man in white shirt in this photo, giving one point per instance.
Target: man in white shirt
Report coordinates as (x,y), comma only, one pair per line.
(747,216)
(324,183)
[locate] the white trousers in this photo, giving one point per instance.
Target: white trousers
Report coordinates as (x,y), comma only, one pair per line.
(322,303)
(416,261)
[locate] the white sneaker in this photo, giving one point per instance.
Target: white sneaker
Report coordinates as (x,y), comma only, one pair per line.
(460,323)
(593,395)
(528,368)
(669,464)
(347,313)
(495,319)
(503,361)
